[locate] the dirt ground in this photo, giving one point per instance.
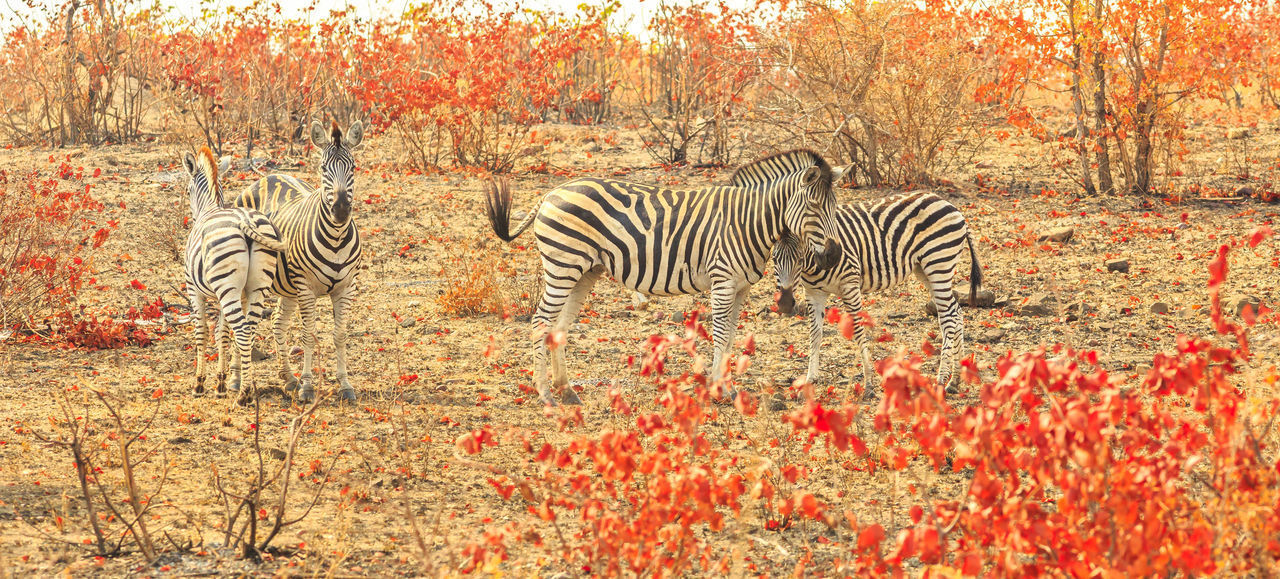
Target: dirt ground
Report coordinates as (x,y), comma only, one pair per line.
(423,231)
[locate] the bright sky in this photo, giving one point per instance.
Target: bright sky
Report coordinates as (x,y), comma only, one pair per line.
(638,11)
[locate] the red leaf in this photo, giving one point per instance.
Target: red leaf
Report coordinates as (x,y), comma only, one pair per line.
(870,537)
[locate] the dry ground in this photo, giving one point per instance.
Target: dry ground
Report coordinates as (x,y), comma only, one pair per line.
(421,231)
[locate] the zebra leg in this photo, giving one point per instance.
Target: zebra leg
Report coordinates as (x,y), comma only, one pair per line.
(223,336)
(568,315)
(280,323)
(307,305)
(199,308)
(340,301)
(726,305)
(555,293)
(817,311)
(242,365)
(951,323)
(852,305)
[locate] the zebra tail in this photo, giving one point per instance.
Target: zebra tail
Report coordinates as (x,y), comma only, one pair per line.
(269,240)
(975,274)
(498,209)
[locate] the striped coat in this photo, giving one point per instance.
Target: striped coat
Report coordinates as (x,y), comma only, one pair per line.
(885,242)
(231,258)
(322,255)
(667,242)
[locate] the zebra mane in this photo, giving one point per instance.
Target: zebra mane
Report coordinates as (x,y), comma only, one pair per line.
(209,166)
(763,172)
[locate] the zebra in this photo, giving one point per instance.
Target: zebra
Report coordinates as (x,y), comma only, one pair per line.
(918,233)
(231,257)
(323,251)
(666,242)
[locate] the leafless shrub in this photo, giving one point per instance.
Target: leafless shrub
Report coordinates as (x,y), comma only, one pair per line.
(887,86)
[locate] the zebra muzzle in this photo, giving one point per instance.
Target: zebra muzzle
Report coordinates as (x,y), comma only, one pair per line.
(830,254)
(786,301)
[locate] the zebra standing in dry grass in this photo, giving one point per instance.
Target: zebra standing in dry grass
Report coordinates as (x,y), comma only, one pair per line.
(883,242)
(323,251)
(231,258)
(666,242)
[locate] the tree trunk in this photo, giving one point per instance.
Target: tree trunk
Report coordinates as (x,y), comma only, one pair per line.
(1077,105)
(69,78)
(1105,184)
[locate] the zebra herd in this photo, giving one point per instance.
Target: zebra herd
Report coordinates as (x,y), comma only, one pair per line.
(665,242)
(278,235)
(281,236)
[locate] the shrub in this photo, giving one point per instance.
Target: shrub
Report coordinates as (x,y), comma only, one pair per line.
(697,70)
(889,87)
(49,231)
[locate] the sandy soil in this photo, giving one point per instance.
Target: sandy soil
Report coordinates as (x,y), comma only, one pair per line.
(424,231)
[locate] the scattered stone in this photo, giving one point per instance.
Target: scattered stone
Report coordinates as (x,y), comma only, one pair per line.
(989,336)
(408,323)
(277,453)
(1239,303)
(1120,265)
(594,148)
(639,301)
(258,355)
(1160,308)
(180,440)
(1039,304)
(985,298)
(414,304)
(1237,133)
(1245,191)
(1060,235)
(777,403)
(1077,310)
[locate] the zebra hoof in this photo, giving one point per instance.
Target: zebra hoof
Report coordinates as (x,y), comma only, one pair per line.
(570,397)
(307,394)
(290,382)
(347,395)
(952,389)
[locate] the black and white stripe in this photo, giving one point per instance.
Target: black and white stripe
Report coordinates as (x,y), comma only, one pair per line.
(230,259)
(884,242)
(323,251)
(667,242)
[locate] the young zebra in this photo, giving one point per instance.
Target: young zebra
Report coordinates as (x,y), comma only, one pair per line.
(916,233)
(323,251)
(666,242)
(231,258)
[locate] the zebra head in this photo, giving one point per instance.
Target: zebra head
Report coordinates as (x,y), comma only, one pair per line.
(337,166)
(788,264)
(810,214)
(203,188)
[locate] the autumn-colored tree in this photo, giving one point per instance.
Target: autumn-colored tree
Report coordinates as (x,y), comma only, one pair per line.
(1126,64)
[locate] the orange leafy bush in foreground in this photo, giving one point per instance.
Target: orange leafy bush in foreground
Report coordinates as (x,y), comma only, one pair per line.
(1072,470)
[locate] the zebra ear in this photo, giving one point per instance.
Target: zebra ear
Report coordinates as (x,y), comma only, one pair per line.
(189,163)
(810,176)
(355,134)
(319,137)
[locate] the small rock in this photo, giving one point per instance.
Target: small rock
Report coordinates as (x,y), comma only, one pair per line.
(985,298)
(1237,133)
(179,440)
(989,336)
(1245,191)
(408,323)
(277,453)
(1077,310)
(639,301)
(258,355)
(1120,265)
(594,148)
(777,404)
(1160,308)
(1239,303)
(1039,304)
(414,304)
(1060,235)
